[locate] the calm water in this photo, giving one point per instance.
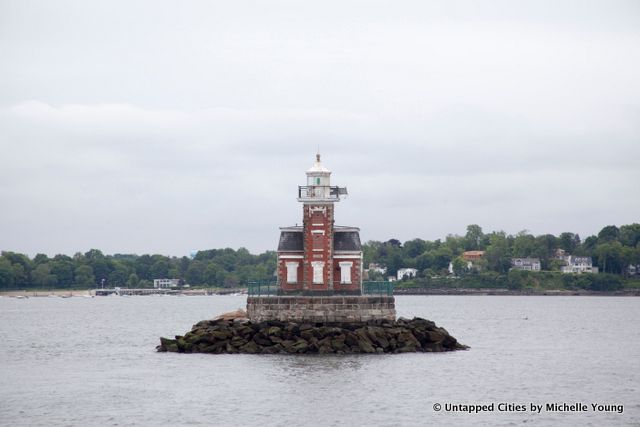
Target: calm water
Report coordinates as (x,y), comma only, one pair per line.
(80,362)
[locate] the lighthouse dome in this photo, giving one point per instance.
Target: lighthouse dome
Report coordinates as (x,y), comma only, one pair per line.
(318,167)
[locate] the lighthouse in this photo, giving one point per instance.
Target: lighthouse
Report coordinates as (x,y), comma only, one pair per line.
(319,257)
(320,266)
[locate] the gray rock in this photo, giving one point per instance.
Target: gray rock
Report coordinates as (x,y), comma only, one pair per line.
(271,337)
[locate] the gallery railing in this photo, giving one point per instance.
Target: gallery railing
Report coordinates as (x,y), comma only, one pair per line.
(322,192)
(258,288)
(377,288)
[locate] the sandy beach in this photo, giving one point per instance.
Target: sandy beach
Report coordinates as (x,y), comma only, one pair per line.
(58,293)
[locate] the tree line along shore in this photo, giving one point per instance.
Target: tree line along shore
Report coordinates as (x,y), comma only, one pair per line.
(439,264)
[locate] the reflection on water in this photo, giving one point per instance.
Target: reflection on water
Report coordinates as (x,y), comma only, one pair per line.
(306,365)
(79,361)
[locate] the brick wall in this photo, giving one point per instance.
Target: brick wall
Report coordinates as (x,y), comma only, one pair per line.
(356,279)
(282,271)
(319,218)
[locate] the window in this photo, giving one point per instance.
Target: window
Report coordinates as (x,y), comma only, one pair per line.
(345,272)
(317,241)
(317,181)
(292,272)
(318,269)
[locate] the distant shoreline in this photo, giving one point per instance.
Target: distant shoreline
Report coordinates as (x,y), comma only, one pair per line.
(53,293)
(503,291)
(96,292)
(397,292)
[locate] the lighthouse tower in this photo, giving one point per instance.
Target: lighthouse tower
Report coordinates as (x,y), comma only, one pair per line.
(319,258)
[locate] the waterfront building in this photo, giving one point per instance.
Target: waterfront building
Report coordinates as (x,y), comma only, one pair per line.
(472,255)
(578,264)
(472,258)
(377,268)
(527,264)
(166,283)
(406,273)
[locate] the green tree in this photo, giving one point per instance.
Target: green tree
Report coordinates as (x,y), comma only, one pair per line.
(119,275)
(630,235)
(196,272)
(425,261)
(20,259)
(41,276)
(442,257)
(84,276)
(524,245)
(184,266)
(497,253)
(214,274)
(545,248)
(588,246)
(40,259)
(101,267)
(569,242)
(231,280)
(474,237)
(413,248)
(20,276)
(62,268)
(608,234)
(143,267)
(455,243)
(459,266)
(610,257)
(6,273)
(133,280)
(160,269)
(174,273)
(144,284)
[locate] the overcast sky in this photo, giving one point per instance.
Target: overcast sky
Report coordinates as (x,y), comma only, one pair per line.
(167,127)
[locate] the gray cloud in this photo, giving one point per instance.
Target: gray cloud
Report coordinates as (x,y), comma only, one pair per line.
(146,128)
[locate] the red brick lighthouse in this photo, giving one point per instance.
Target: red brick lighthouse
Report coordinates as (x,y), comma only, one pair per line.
(319,258)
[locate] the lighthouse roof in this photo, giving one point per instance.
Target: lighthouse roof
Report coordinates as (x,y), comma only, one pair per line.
(291,239)
(318,167)
(344,239)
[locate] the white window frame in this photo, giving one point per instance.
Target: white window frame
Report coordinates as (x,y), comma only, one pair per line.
(318,272)
(345,272)
(292,272)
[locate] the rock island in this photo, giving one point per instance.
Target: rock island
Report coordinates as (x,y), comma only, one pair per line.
(319,302)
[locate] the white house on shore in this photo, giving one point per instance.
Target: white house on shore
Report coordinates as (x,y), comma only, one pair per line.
(527,264)
(166,283)
(406,273)
(578,264)
(377,268)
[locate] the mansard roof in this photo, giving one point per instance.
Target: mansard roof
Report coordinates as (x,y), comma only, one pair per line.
(347,240)
(291,239)
(344,239)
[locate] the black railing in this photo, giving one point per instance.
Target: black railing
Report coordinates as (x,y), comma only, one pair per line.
(258,288)
(377,288)
(321,192)
(270,287)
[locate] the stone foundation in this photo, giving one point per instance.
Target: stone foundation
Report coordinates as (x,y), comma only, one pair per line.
(325,309)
